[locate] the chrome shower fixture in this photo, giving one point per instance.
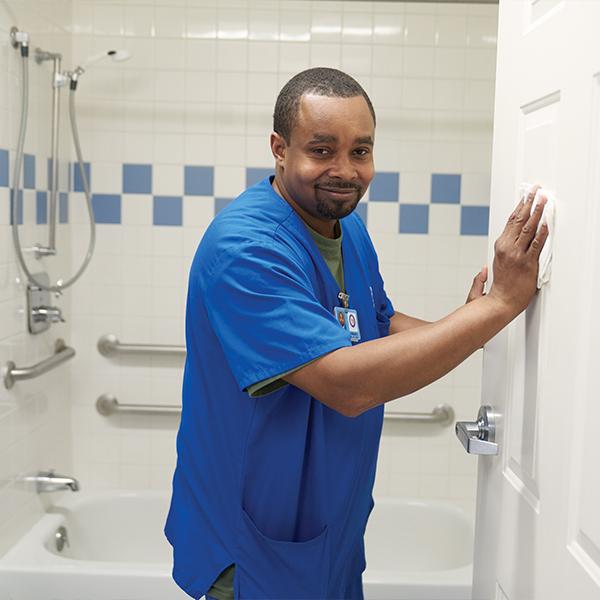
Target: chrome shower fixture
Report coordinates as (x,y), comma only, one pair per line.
(115,55)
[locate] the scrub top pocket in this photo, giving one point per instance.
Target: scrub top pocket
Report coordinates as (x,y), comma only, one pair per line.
(280,570)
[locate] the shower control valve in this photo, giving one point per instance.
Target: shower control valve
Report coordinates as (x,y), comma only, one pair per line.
(47,314)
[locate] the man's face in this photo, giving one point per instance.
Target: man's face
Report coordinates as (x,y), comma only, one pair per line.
(327,165)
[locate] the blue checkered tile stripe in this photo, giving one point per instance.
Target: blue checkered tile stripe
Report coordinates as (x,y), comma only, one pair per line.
(199,181)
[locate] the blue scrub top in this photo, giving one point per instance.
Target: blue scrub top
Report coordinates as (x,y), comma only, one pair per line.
(281,484)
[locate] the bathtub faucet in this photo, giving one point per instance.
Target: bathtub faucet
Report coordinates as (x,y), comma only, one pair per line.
(48,481)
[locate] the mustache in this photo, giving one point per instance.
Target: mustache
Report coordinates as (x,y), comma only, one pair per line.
(341,185)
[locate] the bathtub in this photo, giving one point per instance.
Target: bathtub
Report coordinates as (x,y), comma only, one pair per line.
(416,550)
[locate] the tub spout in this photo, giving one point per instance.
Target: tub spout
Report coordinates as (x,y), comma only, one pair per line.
(48,481)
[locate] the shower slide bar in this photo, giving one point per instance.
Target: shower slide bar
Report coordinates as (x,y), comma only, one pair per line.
(62,353)
(109,345)
(108,404)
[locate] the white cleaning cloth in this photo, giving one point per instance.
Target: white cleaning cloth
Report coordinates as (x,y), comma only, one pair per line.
(545,260)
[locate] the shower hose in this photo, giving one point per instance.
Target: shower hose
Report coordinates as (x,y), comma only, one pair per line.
(60,285)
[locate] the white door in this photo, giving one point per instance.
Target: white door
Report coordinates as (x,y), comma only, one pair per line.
(538,503)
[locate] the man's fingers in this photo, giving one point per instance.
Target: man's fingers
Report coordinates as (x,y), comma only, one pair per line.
(538,242)
(528,231)
(521,212)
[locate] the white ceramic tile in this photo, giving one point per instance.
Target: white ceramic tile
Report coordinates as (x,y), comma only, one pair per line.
(263,25)
(416,156)
(475,189)
(229,181)
(326,26)
(325,55)
(294,26)
(232,55)
(136,209)
(444,219)
(418,62)
(167,242)
(232,24)
(383,217)
(169,54)
(476,158)
(230,119)
(357,28)
(169,86)
(473,250)
(450,63)
(451,30)
(445,157)
(419,30)
(482,31)
(448,94)
(200,86)
(169,22)
(294,56)
(138,147)
(201,22)
(415,187)
(232,87)
(387,154)
(167,180)
(263,56)
(417,93)
(387,60)
(388,28)
(106,178)
(107,20)
(199,149)
(479,96)
(198,212)
(356,59)
(200,55)
(258,151)
(230,150)
(169,117)
(168,148)
(138,21)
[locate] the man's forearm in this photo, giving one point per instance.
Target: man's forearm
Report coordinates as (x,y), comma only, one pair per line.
(357,378)
(401,322)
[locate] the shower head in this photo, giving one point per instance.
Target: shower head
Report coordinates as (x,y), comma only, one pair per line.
(115,55)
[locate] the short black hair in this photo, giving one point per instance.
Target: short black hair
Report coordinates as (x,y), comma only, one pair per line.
(321,81)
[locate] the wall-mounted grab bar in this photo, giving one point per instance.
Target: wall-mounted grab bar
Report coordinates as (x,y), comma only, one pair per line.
(62,352)
(108,405)
(109,345)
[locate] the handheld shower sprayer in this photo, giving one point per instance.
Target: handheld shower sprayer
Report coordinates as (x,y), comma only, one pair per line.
(114,55)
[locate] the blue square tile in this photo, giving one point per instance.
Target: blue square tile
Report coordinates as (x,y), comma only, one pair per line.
(137,179)
(474,220)
(167,210)
(107,208)
(41,207)
(4,168)
(63,207)
(49,173)
(385,187)
(198,181)
(445,189)
(19,207)
(29,171)
(257,174)
(221,203)
(77,181)
(361,211)
(414,218)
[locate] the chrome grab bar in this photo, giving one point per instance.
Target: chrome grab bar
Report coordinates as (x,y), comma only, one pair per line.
(62,352)
(108,404)
(109,345)
(442,414)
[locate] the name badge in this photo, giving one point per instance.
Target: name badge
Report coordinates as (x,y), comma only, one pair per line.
(348,319)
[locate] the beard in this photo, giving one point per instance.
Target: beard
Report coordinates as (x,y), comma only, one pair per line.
(335,208)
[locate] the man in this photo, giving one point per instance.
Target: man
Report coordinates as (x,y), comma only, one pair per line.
(282,406)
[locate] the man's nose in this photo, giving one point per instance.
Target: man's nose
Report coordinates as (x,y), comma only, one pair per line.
(343,168)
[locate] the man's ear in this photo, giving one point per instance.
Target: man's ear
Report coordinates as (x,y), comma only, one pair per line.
(278,148)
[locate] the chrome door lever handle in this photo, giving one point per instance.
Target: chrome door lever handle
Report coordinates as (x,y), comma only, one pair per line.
(477,437)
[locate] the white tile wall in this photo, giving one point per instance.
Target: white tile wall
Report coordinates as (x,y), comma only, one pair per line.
(35,415)
(199,89)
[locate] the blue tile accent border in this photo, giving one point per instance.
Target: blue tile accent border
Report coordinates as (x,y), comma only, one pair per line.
(4,168)
(445,189)
(221,203)
(29,171)
(414,218)
(385,187)
(474,220)
(167,210)
(41,207)
(137,179)
(107,208)
(77,181)
(362,211)
(256,174)
(198,181)
(63,207)
(19,208)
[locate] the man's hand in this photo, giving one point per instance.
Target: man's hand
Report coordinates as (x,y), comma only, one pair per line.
(516,255)
(478,285)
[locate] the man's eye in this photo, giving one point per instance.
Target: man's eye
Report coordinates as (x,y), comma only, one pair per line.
(320,151)
(362,151)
